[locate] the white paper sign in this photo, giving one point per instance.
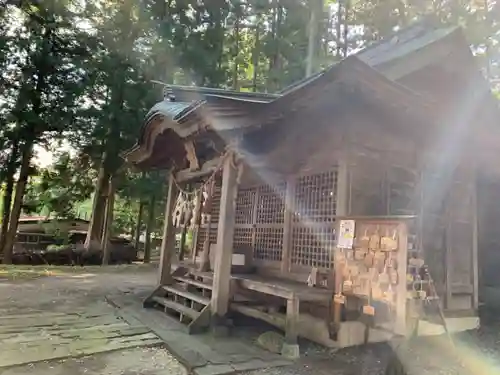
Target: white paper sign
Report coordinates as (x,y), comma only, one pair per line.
(346,234)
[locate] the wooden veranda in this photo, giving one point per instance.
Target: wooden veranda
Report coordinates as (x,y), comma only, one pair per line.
(390,139)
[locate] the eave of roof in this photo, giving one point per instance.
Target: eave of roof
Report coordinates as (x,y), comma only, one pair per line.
(230,114)
(221,107)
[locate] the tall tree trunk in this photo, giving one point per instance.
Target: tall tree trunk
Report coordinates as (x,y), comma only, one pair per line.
(138,226)
(108,222)
(149,229)
(255,57)
(27,151)
(338,29)
(275,57)
(9,190)
(346,28)
(312,31)
(94,232)
(237,50)
(487,51)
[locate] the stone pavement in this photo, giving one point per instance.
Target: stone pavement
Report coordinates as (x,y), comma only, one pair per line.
(65,316)
(30,336)
(201,354)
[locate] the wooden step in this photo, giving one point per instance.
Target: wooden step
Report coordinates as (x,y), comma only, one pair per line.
(195,283)
(188,295)
(181,309)
(202,274)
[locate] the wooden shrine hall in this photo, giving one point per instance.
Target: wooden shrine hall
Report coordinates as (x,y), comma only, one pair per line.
(330,209)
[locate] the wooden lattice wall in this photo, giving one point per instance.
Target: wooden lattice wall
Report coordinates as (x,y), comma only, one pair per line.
(313,228)
(259,220)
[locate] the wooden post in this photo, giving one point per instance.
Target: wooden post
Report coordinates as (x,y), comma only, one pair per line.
(448,255)
(196,224)
(288,226)
(475,262)
(225,232)
(182,244)
(205,255)
(137,234)
(149,227)
(402,259)
(291,347)
(168,241)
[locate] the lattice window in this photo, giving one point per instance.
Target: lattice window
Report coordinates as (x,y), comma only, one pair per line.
(268,244)
(313,231)
(402,191)
(312,246)
(245,203)
(213,234)
(242,236)
(315,197)
(202,235)
(271,204)
(215,209)
(200,239)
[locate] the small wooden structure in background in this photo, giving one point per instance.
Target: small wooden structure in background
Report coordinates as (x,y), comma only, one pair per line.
(392,134)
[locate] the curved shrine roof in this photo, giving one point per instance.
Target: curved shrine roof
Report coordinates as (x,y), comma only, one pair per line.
(198,111)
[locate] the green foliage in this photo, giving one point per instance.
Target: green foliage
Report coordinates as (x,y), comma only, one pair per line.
(58,188)
(82,71)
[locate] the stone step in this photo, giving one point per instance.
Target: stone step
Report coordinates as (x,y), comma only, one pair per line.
(195,283)
(181,309)
(185,294)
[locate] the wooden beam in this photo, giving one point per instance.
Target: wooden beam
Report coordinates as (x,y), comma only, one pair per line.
(287,225)
(168,241)
(206,169)
(225,233)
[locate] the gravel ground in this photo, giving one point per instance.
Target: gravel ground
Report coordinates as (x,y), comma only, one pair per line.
(141,361)
(472,353)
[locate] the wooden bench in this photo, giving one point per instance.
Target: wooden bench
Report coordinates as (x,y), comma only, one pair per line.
(291,291)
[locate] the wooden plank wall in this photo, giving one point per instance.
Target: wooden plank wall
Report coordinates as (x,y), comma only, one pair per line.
(384,183)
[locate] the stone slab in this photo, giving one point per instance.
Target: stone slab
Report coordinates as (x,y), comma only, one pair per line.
(254,364)
(41,336)
(214,370)
(201,354)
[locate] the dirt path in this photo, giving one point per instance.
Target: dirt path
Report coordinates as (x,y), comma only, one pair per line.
(65,314)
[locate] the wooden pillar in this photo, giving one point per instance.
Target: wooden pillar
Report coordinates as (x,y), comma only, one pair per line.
(197,222)
(402,261)
(290,347)
(168,241)
(475,262)
(225,232)
(288,225)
